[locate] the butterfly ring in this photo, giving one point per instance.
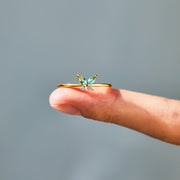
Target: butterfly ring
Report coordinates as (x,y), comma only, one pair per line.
(86,84)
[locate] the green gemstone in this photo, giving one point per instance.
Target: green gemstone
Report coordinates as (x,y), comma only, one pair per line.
(82,80)
(91,80)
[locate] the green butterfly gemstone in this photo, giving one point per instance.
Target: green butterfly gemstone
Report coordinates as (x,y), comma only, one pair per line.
(82,80)
(91,80)
(86,84)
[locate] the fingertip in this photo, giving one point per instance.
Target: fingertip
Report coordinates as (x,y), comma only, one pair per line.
(66,100)
(64,96)
(97,104)
(54,97)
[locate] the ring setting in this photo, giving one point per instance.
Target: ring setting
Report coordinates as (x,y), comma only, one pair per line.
(86,84)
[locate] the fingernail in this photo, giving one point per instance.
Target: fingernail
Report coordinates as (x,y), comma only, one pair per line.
(67,108)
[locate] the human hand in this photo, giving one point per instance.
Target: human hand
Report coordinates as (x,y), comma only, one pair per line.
(155,116)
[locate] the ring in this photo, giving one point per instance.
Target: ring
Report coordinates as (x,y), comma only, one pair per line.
(86,84)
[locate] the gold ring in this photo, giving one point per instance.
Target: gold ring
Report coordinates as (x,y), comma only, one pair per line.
(86,84)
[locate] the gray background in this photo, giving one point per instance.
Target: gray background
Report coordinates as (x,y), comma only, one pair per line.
(134,45)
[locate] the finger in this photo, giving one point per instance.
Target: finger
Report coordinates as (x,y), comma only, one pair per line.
(145,113)
(98,104)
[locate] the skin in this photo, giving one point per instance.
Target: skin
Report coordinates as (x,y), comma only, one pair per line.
(155,116)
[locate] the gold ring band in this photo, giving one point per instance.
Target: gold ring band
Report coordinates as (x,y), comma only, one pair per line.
(79,85)
(86,84)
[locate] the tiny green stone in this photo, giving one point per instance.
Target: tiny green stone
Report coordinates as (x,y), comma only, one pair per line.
(92,79)
(82,80)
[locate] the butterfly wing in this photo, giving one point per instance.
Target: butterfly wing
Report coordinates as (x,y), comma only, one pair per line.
(82,80)
(91,80)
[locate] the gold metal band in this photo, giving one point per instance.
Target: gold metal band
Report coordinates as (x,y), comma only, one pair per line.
(79,85)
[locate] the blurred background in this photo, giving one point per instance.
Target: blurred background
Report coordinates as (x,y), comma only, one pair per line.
(133,44)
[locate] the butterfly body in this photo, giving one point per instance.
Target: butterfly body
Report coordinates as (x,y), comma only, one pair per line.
(86,84)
